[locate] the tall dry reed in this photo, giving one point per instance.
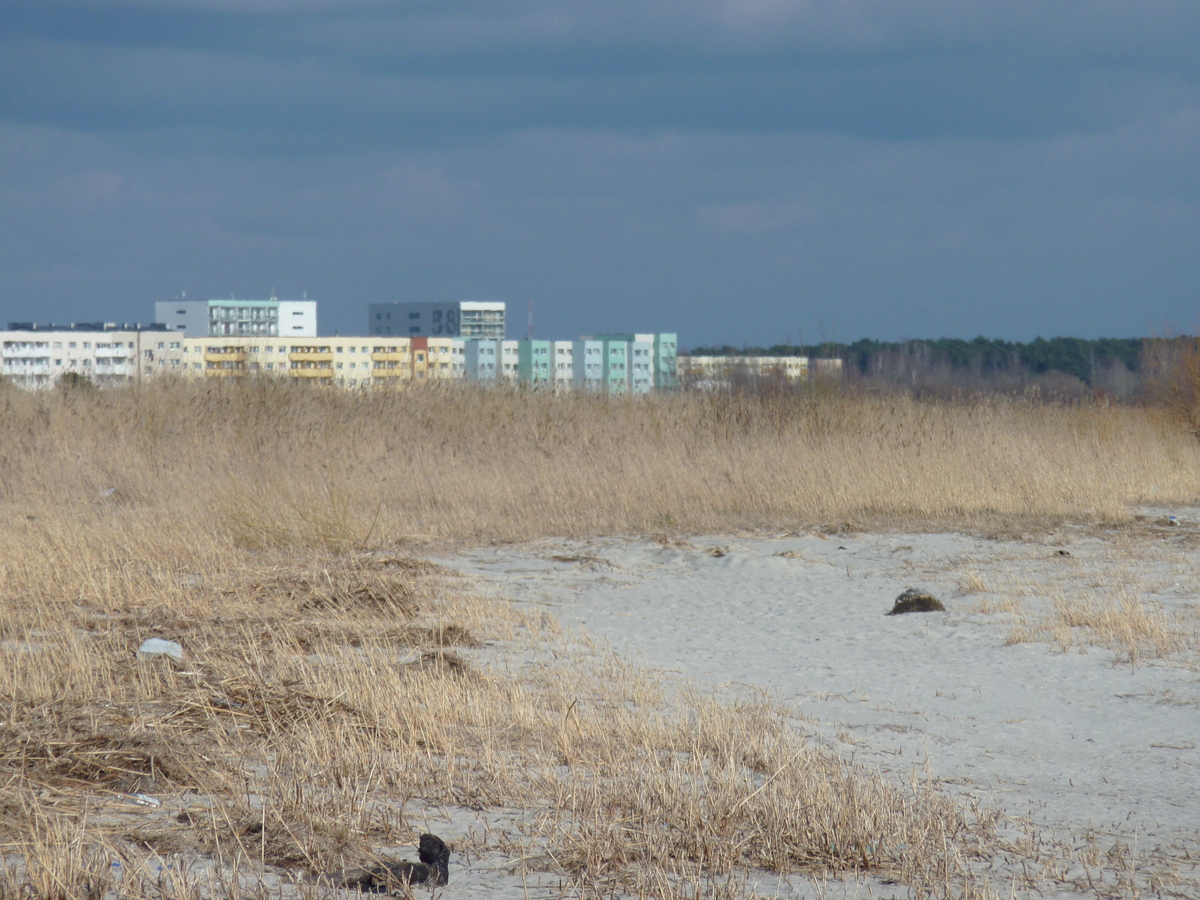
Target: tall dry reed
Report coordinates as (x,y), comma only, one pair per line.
(265,464)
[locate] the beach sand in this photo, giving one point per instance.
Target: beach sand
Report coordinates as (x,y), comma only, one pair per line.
(995,699)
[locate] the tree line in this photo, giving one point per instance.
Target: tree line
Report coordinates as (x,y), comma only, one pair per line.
(1094,364)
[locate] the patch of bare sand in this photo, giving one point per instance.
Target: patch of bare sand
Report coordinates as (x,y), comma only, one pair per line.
(1060,685)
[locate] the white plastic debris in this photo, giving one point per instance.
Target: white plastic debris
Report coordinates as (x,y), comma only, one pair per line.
(141,800)
(152,647)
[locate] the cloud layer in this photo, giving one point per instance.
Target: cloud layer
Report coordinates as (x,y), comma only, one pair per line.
(736,170)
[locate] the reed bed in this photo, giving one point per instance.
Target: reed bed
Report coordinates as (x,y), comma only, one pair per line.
(332,683)
(264,464)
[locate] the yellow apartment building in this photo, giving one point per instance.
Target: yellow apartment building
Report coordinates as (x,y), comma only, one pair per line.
(391,362)
(344,362)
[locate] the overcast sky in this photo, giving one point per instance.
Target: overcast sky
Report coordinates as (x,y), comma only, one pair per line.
(738,171)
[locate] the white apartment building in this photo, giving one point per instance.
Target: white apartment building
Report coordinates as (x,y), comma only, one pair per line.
(105,353)
(562,364)
(239,318)
(725,371)
(509,361)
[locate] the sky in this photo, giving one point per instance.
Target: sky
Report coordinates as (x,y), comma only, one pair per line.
(744,172)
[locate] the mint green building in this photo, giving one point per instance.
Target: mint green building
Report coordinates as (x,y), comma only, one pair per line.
(666,362)
(533,363)
(615,362)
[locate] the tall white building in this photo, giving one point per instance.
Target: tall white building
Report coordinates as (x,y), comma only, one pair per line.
(239,318)
(467,319)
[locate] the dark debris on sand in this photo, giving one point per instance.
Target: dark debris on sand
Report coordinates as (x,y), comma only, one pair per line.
(433,869)
(914,600)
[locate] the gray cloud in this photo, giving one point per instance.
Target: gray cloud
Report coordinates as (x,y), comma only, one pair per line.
(738,170)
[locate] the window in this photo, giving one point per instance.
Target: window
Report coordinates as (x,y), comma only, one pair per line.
(181,312)
(58,345)
(352,349)
(378,317)
(412,316)
(339,349)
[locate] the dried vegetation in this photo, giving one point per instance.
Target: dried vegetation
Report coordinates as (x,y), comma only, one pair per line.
(333,684)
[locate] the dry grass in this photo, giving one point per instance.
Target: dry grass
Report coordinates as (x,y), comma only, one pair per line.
(1135,629)
(304,734)
(267,465)
(330,685)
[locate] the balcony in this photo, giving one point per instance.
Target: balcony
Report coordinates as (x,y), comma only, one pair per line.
(400,356)
(312,354)
(311,371)
(234,354)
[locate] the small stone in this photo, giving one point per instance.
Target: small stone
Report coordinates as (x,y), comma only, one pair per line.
(914,600)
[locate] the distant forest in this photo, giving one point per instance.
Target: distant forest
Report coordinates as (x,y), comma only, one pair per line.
(1062,365)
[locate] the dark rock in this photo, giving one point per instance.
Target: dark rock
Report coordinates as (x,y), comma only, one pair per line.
(914,600)
(434,868)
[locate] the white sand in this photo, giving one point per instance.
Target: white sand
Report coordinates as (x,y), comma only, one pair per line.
(1070,738)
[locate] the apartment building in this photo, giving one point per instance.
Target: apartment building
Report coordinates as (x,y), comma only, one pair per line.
(666,361)
(508,360)
(533,363)
(447,360)
(344,362)
(587,371)
(239,318)
(106,353)
(36,356)
(466,319)
(480,360)
(717,371)
(615,361)
(562,364)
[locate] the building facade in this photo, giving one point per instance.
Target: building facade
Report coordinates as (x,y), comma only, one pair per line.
(239,318)
(467,319)
(726,371)
(36,356)
(587,357)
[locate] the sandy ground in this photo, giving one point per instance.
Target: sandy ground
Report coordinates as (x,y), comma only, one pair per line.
(1075,738)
